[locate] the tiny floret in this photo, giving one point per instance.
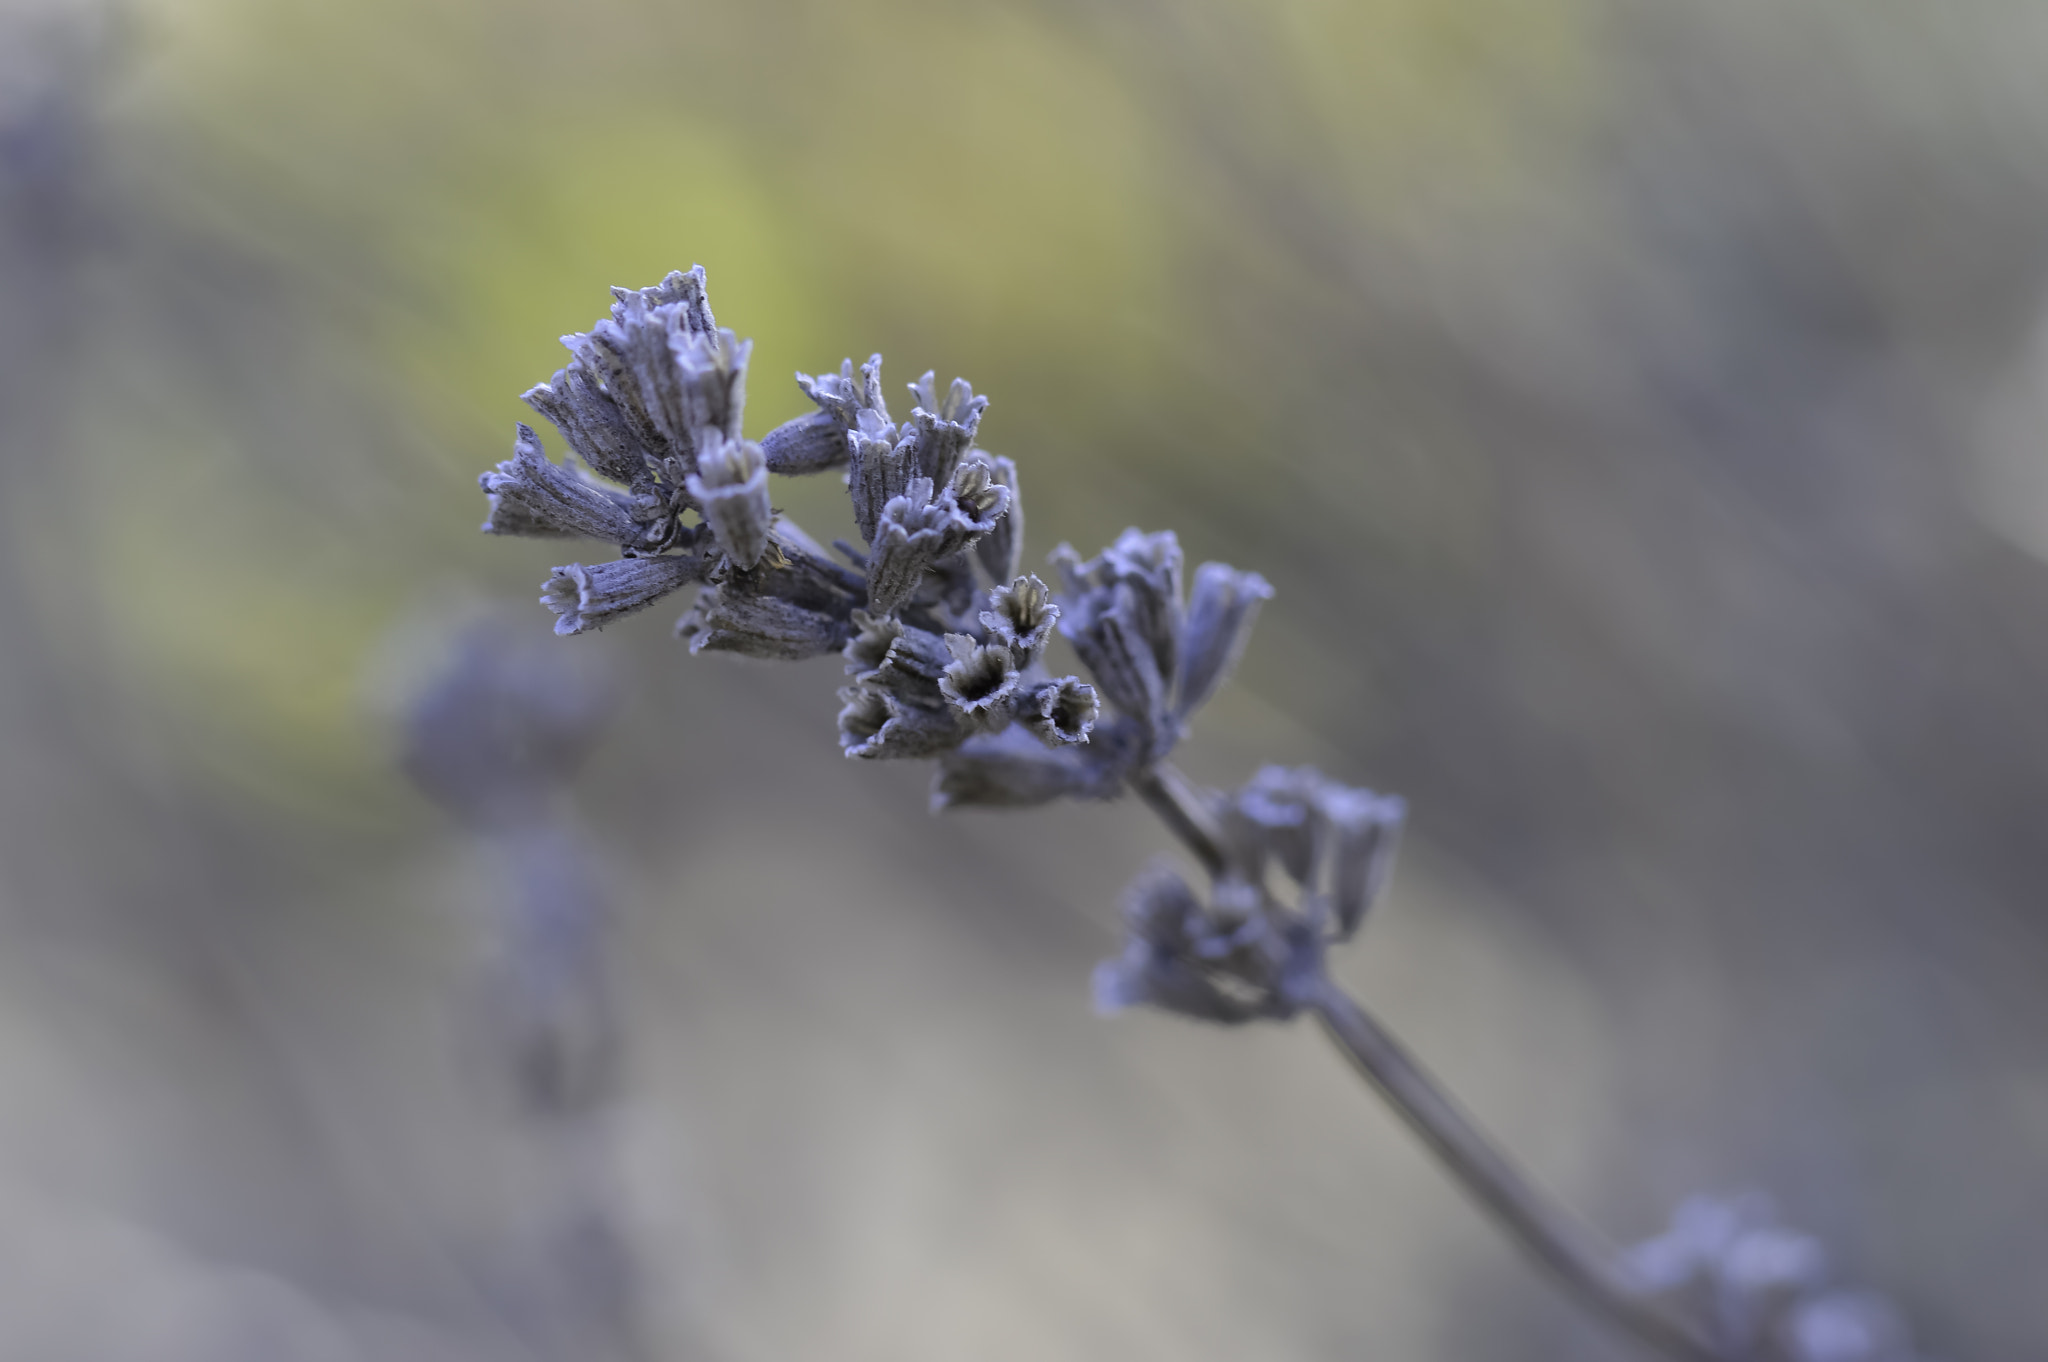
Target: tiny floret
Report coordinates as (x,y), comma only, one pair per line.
(731,485)
(980,679)
(1021,616)
(1060,712)
(531,495)
(586,597)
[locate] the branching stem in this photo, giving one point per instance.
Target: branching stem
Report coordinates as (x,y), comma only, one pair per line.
(1548,1233)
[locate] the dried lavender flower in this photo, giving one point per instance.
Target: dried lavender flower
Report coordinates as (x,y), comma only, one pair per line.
(731,485)
(1358,834)
(1245,944)
(1224,961)
(726,620)
(1021,616)
(874,723)
(533,496)
(1124,614)
(1013,769)
(1106,629)
(980,679)
(664,364)
(940,429)
(1001,550)
(590,597)
(843,397)
(1143,571)
(1059,713)
(808,444)
(1218,625)
(917,531)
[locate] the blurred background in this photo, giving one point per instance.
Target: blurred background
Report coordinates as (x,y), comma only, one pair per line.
(1640,406)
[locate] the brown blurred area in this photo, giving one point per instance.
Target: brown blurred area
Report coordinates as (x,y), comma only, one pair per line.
(1640,406)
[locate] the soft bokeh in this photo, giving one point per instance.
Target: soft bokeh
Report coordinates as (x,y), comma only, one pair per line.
(1640,406)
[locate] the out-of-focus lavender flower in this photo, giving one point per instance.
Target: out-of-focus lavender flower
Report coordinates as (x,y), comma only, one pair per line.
(1761,1290)
(495,734)
(499,727)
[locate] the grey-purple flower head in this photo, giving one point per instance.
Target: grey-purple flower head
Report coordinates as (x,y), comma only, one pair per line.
(1245,950)
(1156,657)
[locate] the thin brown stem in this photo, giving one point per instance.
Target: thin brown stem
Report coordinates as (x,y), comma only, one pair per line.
(1548,1233)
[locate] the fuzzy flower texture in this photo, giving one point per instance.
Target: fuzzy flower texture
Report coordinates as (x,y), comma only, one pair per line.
(943,632)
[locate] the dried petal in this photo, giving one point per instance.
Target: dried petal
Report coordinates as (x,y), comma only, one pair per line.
(1156,968)
(711,381)
(1122,612)
(1021,616)
(1219,623)
(590,597)
(532,495)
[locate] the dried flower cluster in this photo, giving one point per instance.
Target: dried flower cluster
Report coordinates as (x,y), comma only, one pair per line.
(1760,1290)
(1243,954)
(943,632)
(945,635)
